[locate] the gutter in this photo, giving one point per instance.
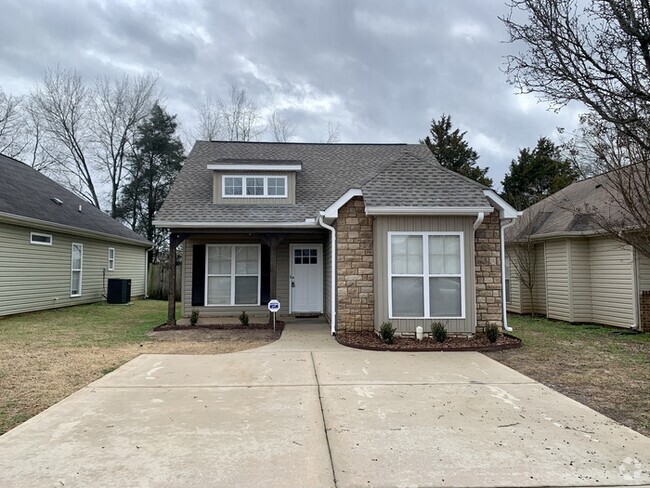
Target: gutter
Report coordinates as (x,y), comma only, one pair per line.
(322,223)
(506,327)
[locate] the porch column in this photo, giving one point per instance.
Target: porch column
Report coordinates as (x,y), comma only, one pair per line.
(273,241)
(174,241)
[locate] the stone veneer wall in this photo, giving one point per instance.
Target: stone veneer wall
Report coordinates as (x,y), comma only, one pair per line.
(644,302)
(354,269)
(489,304)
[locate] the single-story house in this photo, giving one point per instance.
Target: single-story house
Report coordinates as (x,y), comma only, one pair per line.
(579,272)
(57,249)
(361,233)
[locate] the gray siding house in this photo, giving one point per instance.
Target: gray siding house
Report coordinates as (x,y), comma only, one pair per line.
(581,274)
(56,249)
(360,233)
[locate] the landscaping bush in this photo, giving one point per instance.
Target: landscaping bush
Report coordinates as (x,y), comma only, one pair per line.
(387,332)
(243,318)
(194,317)
(492,332)
(439,331)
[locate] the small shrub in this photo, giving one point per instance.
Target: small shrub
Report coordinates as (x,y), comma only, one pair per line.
(387,332)
(492,332)
(194,317)
(439,331)
(243,318)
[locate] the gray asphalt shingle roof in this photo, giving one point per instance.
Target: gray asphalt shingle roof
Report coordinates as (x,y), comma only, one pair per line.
(388,174)
(24,192)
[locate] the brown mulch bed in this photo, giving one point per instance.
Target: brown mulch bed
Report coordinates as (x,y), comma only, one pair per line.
(279,326)
(371,341)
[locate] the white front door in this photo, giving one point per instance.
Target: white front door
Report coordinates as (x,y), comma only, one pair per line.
(306,278)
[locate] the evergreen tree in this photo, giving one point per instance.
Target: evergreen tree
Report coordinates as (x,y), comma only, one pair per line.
(452,151)
(156,159)
(536,174)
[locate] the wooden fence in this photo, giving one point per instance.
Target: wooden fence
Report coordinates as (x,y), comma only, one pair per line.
(158,281)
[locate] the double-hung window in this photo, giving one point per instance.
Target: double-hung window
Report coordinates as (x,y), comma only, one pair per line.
(76,269)
(111,259)
(254,186)
(426,275)
(232,274)
(507,278)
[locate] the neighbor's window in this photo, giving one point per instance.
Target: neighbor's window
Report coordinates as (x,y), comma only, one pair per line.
(40,239)
(426,275)
(507,278)
(233,274)
(111,259)
(254,186)
(76,268)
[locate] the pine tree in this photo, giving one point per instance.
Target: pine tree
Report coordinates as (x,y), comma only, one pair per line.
(537,174)
(453,152)
(156,159)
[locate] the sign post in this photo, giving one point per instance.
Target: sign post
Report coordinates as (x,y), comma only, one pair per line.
(274,306)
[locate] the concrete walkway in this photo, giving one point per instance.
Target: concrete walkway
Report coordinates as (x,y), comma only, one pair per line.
(307,412)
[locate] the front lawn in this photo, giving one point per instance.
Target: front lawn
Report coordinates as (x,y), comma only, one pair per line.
(46,356)
(604,368)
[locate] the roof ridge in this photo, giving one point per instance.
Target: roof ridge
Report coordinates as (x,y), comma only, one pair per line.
(311,143)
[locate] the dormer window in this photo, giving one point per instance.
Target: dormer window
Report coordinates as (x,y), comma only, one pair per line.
(254,186)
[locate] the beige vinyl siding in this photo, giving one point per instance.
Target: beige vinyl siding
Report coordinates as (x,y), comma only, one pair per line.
(612,283)
(557,280)
(290,199)
(385,224)
(580,280)
(35,277)
(282,279)
(644,272)
(520,295)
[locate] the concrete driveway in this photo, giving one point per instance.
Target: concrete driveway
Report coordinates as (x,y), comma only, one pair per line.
(306,412)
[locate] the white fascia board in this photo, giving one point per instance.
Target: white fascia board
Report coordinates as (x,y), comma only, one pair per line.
(255,167)
(165,224)
(332,212)
(506,210)
(427,210)
(68,229)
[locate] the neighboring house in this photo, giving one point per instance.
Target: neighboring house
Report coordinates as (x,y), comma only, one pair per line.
(361,233)
(56,249)
(580,273)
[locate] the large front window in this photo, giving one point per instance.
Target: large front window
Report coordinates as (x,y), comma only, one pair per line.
(426,275)
(233,274)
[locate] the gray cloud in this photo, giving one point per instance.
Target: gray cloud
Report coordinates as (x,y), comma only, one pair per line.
(383,69)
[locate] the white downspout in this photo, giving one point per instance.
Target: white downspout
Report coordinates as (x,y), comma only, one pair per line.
(322,223)
(506,327)
(477,223)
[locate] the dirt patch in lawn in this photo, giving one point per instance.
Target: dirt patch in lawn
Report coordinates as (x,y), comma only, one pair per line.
(371,341)
(32,378)
(606,369)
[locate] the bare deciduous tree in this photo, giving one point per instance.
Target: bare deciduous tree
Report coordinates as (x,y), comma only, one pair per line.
(62,102)
(333,133)
(596,53)
(12,126)
(83,133)
(281,128)
(235,119)
(119,106)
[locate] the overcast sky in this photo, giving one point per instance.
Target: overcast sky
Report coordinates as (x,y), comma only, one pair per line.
(382,69)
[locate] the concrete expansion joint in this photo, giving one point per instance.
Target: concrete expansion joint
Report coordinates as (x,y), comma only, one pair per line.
(322,412)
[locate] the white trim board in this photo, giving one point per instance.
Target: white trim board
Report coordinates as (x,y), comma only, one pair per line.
(254,167)
(427,210)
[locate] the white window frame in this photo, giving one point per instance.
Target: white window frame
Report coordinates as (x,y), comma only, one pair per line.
(74,270)
(233,275)
(111,259)
(40,234)
(243,186)
(425,274)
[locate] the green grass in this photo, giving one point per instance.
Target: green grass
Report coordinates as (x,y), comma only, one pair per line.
(98,324)
(605,368)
